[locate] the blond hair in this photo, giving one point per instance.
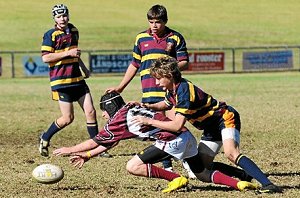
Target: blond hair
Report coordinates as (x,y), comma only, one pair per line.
(165,67)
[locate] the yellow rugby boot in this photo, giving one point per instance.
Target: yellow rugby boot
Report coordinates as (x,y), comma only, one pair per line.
(243,185)
(175,184)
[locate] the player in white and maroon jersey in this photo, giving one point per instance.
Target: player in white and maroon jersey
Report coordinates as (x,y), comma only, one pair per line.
(120,126)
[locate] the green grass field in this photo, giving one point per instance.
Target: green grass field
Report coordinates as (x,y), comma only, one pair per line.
(114,24)
(268,104)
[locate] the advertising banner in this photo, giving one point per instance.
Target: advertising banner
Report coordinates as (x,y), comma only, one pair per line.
(206,61)
(34,66)
(115,63)
(268,60)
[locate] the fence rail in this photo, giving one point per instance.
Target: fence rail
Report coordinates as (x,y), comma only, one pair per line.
(12,66)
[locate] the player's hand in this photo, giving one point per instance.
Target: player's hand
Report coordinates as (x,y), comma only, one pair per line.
(141,120)
(135,103)
(113,89)
(146,105)
(77,161)
(62,151)
(75,52)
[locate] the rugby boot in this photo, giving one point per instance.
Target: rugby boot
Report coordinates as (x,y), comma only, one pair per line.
(271,188)
(175,184)
(190,173)
(43,147)
(244,185)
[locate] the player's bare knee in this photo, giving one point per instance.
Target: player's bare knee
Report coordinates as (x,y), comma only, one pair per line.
(131,166)
(90,114)
(67,120)
(231,155)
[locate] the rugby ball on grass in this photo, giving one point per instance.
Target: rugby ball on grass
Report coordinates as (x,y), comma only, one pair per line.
(48,174)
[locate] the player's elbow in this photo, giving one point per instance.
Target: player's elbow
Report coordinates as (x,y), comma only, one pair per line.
(46,59)
(178,128)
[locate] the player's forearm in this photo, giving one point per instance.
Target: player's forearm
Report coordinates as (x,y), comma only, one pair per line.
(53,57)
(129,75)
(167,125)
(84,146)
(96,151)
(175,125)
(159,106)
(183,65)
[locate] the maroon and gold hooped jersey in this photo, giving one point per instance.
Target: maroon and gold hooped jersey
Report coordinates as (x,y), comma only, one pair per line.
(63,73)
(121,127)
(149,47)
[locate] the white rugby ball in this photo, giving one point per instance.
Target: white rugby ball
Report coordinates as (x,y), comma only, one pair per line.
(48,174)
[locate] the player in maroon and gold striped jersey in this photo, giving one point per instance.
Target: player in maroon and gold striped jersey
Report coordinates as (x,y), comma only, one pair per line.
(157,41)
(60,50)
(219,121)
(120,126)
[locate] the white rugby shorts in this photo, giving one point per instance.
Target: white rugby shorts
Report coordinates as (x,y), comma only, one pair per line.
(184,146)
(212,148)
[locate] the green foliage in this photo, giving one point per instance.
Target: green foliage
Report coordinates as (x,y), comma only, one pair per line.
(268,104)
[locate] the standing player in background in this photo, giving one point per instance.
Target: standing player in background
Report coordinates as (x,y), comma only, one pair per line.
(157,41)
(220,122)
(60,50)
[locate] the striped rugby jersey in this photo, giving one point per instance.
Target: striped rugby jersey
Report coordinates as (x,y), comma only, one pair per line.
(65,72)
(199,108)
(147,48)
(121,127)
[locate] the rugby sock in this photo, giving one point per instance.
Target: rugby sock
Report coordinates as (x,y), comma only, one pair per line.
(54,128)
(92,129)
(252,169)
(156,172)
(231,171)
(219,178)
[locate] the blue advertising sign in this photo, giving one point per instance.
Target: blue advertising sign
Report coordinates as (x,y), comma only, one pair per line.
(115,63)
(34,66)
(268,60)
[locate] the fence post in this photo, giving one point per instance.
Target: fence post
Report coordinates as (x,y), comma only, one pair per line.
(90,61)
(12,64)
(299,59)
(233,60)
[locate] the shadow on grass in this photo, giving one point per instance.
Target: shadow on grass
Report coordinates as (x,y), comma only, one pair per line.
(124,154)
(75,188)
(190,188)
(290,174)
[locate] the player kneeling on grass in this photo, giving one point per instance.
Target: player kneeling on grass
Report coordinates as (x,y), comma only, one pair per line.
(120,126)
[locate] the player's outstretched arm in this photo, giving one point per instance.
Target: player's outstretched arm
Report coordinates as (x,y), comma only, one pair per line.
(82,147)
(129,75)
(78,159)
(159,106)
